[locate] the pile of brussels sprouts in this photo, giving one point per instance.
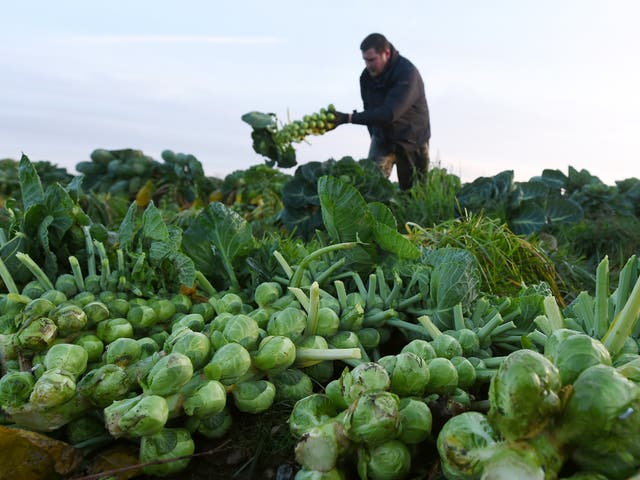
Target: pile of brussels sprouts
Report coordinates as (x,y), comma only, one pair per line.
(570,402)
(96,361)
(99,362)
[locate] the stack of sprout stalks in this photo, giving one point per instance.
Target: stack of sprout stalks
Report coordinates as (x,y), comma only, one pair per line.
(570,405)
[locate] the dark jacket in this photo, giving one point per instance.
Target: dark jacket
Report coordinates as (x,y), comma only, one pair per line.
(395,105)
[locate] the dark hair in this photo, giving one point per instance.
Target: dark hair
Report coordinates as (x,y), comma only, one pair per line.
(377,41)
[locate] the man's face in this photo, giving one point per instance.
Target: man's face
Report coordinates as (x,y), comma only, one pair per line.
(374,62)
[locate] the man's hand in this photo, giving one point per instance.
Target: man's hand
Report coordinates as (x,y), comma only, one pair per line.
(339,119)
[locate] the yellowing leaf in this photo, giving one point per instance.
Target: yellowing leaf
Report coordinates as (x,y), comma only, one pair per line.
(27,455)
(120,462)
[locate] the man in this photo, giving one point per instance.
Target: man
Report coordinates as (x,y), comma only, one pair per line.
(395,111)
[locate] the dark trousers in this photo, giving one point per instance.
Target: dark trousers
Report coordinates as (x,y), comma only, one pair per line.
(411,166)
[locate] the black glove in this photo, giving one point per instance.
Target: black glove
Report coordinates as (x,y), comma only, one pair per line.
(339,119)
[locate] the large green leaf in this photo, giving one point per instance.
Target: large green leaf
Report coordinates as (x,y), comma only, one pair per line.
(390,240)
(529,219)
(563,210)
(216,240)
(30,185)
(383,214)
(345,213)
(259,119)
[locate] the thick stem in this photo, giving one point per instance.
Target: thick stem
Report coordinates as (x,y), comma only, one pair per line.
(7,278)
(623,323)
(77,272)
(314,305)
(297,276)
(37,272)
(601,320)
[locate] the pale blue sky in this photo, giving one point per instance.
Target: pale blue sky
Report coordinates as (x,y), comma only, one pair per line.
(521,85)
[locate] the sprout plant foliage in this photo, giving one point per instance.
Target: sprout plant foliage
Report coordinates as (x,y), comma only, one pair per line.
(218,240)
(155,251)
(301,204)
(45,223)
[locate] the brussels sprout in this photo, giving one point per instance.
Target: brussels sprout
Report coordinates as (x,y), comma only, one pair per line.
(601,421)
(446,346)
(275,354)
(37,308)
(182,303)
(68,357)
(409,374)
(352,317)
(466,372)
(198,397)
(556,338)
(69,319)
(142,317)
(254,396)
(373,418)
(123,352)
(536,459)
(524,394)
(167,444)
(390,460)
(333,390)
(289,322)
(211,426)
(443,376)
(169,374)
(240,329)
(420,347)
(631,369)
(97,312)
(119,307)
(104,384)
(306,474)
(311,411)
(15,388)
(54,296)
(415,421)
(158,335)
(461,443)
(203,308)
(261,316)
(163,308)
(209,398)
(53,388)
(344,339)
(468,340)
(37,336)
(369,337)
(92,345)
(192,321)
(228,303)
(228,364)
(135,417)
(33,289)
(266,293)
(575,354)
(83,298)
(195,345)
(291,385)
(320,447)
(114,328)
(148,346)
(364,378)
(328,322)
